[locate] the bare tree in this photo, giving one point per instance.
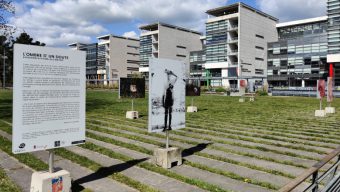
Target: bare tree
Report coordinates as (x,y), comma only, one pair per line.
(6,9)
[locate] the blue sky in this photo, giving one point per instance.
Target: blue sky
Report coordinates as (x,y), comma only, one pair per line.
(59,22)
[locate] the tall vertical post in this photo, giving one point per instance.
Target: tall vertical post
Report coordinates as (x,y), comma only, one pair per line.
(288,76)
(132,105)
(321,103)
(167,139)
(51,161)
(315,182)
(119,88)
(4,70)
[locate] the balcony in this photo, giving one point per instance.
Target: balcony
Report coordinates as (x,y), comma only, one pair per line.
(232,28)
(232,63)
(232,40)
(232,52)
(284,77)
(155,50)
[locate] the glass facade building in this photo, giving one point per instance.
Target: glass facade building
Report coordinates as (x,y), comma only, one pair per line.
(91,59)
(145,50)
(333,12)
(236,44)
(216,41)
(299,58)
(197,60)
(333,7)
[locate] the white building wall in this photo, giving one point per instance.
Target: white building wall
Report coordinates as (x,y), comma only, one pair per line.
(119,55)
(250,25)
(170,38)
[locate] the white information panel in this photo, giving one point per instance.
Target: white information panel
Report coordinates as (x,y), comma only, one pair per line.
(167,82)
(48,98)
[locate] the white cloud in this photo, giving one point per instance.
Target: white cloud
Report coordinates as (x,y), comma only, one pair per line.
(131,34)
(50,22)
(288,10)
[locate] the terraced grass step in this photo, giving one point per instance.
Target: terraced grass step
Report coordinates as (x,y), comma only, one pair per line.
(19,173)
(77,172)
(153,179)
(86,177)
(227,148)
(247,173)
(308,151)
(248,143)
(251,162)
(216,179)
(321,144)
(288,132)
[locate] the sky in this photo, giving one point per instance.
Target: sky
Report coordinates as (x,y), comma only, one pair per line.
(60,22)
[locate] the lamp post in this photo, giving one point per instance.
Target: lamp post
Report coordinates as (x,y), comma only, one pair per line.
(4,69)
(288,75)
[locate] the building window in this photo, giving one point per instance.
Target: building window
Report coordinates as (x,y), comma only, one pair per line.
(134,54)
(283,63)
(132,68)
(133,61)
(259,71)
(259,59)
(178,55)
(131,46)
(270,63)
(259,36)
(259,47)
(181,47)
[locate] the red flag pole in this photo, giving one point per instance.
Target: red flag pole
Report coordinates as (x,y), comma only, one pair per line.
(331,75)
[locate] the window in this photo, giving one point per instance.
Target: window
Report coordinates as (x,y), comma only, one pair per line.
(132,68)
(259,71)
(131,46)
(258,47)
(270,63)
(181,47)
(283,63)
(259,59)
(259,36)
(133,61)
(134,54)
(178,55)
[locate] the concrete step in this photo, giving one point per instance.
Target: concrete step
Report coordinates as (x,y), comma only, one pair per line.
(153,179)
(19,173)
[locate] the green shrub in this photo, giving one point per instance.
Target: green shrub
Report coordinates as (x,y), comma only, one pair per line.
(204,89)
(220,90)
(261,93)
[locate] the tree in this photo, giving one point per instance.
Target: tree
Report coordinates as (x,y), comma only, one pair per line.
(25,38)
(6,9)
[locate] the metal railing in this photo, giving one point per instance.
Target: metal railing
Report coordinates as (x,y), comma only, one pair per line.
(329,181)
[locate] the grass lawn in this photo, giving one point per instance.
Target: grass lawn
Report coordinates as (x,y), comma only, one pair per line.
(262,144)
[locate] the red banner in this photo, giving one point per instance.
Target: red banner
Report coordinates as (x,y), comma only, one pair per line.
(331,70)
(321,88)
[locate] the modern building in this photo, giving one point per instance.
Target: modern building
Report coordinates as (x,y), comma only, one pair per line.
(111,58)
(333,37)
(236,44)
(160,40)
(119,54)
(91,58)
(299,57)
(197,61)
